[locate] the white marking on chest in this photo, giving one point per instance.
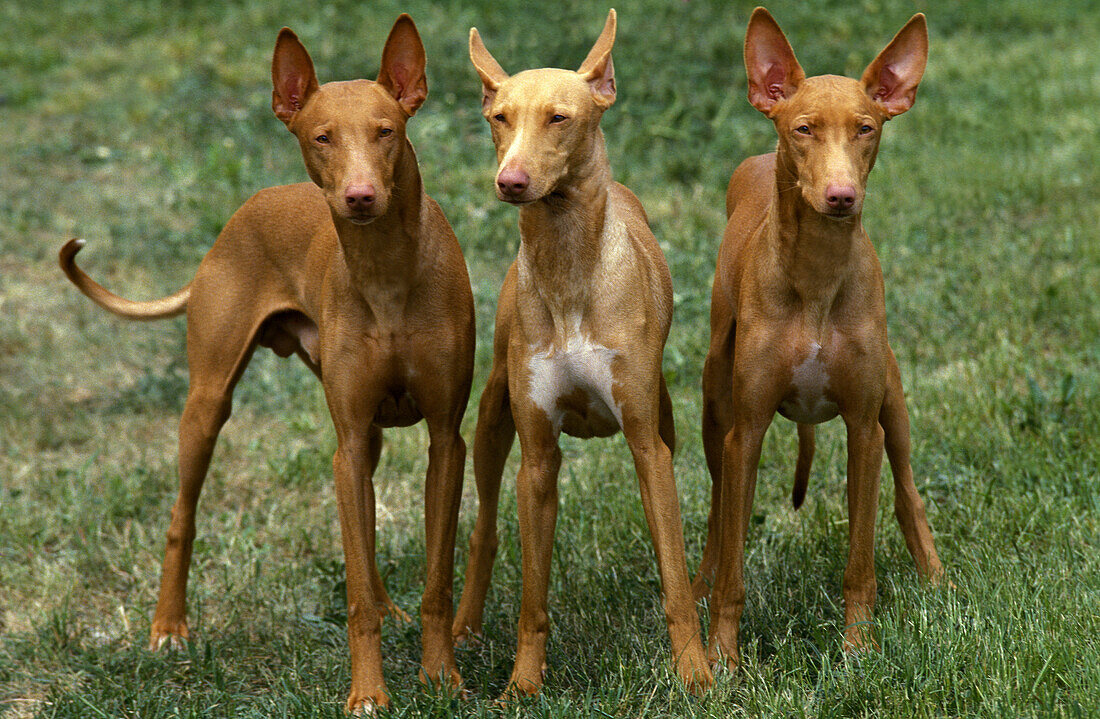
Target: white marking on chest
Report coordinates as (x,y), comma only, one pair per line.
(581,363)
(809,380)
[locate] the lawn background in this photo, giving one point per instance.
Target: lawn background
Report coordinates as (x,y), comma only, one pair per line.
(141,126)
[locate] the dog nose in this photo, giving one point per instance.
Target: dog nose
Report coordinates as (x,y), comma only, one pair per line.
(359,197)
(513,183)
(840,197)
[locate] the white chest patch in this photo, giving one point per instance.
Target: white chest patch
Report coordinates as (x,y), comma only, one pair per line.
(558,372)
(809,381)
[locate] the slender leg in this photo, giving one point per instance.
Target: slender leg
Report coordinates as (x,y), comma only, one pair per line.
(740,457)
(717,421)
(865,439)
(203,417)
(386,606)
(352,400)
(355,502)
(442,497)
(653,462)
(537,495)
(214,375)
(908,506)
(492,442)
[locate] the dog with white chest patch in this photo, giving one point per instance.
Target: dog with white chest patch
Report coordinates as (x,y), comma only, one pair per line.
(580,332)
(798,318)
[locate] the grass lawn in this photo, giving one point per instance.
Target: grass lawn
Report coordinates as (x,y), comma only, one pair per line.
(141,126)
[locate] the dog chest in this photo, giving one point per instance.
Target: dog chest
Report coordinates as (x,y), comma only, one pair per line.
(807,399)
(572,384)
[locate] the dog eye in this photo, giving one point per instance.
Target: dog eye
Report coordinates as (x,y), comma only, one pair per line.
(321,139)
(557,118)
(803,129)
(498,118)
(866,130)
(385,132)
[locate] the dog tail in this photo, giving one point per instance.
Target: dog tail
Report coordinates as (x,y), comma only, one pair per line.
(169,306)
(802,467)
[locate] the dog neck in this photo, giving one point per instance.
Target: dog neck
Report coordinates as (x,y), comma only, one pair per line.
(561,234)
(387,250)
(814,252)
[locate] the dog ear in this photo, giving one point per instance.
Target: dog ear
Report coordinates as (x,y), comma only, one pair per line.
(292,76)
(891,79)
(597,69)
(774,72)
(488,69)
(403,61)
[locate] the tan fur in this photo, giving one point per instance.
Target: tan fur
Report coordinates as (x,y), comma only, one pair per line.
(798,319)
(581,327)
(373,295)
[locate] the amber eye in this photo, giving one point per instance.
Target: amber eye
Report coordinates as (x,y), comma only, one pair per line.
(321,139)
(385,132)
(557,118)
(866,130)
(803,129)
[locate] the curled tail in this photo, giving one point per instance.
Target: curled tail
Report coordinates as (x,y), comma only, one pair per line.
(169,306)
(802,467)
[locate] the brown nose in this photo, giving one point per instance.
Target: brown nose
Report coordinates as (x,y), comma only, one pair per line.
(512,183)
(359,197)
(840,197)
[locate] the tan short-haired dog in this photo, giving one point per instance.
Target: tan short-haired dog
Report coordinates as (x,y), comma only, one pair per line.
(580,332)
(798,317)
(361,276)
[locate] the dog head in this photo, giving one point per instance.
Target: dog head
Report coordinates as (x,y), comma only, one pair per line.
(352,134)
(544,121)
(829,126)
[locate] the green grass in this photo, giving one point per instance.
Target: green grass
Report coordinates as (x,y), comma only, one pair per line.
(143,125)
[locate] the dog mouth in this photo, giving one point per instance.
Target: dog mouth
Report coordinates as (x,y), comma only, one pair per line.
(360,216)
(528,198)
(517,201)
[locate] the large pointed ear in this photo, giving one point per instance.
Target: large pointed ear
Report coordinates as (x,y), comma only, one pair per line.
(292,76)
(891,79)
(597,69)
(774,72)
(488,69)
(403,61)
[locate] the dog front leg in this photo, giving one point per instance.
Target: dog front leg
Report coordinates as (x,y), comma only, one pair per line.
(442,496)
(537,497)
(493,440)
(355,503)
(653,462)
(865,441)
(740,457)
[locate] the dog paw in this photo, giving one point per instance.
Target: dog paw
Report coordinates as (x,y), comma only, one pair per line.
(722,649)
(694,671)
(523,683)
(467,636)
(367,704)
(172,636)
(936,578)
(859,637)
(390,609)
